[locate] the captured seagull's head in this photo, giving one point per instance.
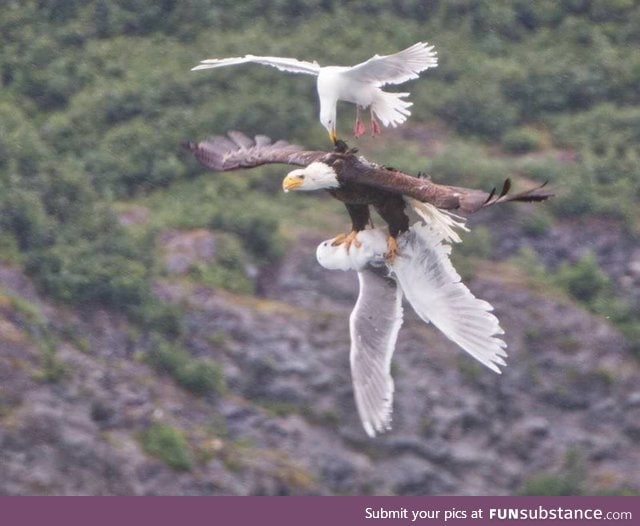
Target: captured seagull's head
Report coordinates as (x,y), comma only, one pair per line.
(316,176)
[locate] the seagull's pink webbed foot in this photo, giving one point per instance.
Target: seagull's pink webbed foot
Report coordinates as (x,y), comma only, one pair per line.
(358,128)
(375,126)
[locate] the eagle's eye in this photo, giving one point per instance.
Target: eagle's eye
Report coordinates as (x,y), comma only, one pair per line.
(301,176)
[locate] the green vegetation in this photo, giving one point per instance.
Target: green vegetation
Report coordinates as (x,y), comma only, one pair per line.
(569,481)
(199,375)
(96,96)
(521,140)
(585,282)
(44,336)
(168,444)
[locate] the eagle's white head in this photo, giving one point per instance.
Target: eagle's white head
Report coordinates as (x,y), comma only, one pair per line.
(316,176)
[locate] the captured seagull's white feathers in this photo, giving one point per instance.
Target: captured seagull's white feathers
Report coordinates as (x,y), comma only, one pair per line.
(373,244)
(423,272)
(359,84)
(435,291)
(373,326)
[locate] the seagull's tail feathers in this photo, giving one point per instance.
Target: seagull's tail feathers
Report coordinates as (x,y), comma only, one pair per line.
(390,108)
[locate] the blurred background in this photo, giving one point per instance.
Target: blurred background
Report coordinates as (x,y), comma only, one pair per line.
(166,330)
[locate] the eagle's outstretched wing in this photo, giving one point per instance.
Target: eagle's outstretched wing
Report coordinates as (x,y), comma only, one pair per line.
(239,151)
(353,169)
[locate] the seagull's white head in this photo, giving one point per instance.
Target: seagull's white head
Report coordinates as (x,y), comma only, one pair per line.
(316,176)
(328,119)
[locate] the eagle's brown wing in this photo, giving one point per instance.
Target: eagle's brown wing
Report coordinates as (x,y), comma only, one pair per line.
(239,151)
(357,170)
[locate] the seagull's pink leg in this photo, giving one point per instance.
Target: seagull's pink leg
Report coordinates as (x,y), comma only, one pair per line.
(375,126)
(358,127)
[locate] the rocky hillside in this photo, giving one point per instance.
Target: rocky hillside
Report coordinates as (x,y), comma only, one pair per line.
(165,330)
(84,411)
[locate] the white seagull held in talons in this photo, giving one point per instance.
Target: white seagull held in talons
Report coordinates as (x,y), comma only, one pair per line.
(359,84)
(422,274)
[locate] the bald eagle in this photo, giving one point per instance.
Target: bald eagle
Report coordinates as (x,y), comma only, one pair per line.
(359,84)
(358,183)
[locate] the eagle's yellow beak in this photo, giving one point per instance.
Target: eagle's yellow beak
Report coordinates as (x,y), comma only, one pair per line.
(291,182)
(333,136)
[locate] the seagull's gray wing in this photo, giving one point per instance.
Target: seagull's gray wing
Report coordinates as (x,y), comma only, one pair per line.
(374,325)
(434,289)
(397,68)
(290,65)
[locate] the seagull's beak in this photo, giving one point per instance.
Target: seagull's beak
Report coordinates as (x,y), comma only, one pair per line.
(333,136)
(291,182)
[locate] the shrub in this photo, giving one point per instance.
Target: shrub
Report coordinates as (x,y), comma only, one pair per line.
(168,444)
(521,140)
(199,375)
(474,106)
(536,225)
(86,272)
(468,165)
(230,269)
(584,280)
(570,481)
(132,158)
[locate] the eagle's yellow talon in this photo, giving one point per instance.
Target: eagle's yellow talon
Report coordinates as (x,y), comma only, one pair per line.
(347,239)
(392,249)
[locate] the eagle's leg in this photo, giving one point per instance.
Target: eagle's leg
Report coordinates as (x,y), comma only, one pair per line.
(392,210)
(375,125)
(358,128)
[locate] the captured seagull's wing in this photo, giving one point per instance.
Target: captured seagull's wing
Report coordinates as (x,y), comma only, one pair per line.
(433,288)
(397,68)
(291,65)
(374,325)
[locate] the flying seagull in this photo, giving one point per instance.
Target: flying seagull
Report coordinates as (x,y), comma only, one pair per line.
(359,84)
(358,183)
(422,274)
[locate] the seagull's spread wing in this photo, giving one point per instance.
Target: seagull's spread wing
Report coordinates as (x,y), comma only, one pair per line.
(290,65)
(374,325)
(397,68)
(433,288)
(239,151)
